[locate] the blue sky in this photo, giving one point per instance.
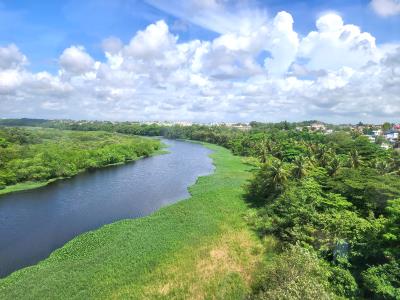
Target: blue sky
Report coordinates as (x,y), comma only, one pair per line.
(45,28)
(201,60)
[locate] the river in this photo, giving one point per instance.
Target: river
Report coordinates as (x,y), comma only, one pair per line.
(34,223)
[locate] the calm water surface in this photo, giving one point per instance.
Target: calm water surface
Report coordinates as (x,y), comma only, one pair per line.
(36,222)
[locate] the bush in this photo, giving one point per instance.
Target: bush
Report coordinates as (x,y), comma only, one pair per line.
(383,281)
(297,273)
(343,283)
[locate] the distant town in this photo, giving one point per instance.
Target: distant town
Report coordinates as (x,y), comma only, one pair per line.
(386,135)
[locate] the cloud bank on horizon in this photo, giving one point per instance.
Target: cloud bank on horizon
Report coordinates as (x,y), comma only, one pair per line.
(256,68)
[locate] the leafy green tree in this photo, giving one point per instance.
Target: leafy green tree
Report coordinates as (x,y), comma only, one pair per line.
(382,281)
(386,126)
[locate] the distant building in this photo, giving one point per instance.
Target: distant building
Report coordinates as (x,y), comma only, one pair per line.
(317,127)
(184,123)
(377,132)
(392,136)
(240,126)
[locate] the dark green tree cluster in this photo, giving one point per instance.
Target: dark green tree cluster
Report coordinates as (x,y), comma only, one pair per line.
(330,196)
(43,154)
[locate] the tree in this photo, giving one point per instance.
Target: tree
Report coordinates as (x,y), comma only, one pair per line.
(333,166)
(382,166)
(355,160)
(383,281)
(300,169)
(278,175)
(386,126)
(264,147)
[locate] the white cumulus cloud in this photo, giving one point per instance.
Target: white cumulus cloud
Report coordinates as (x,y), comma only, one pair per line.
(336,44)
(386,8)
(335,73)
(11,57)
(75,60)
(152,42)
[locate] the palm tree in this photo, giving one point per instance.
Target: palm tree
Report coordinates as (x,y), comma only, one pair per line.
(263,149)
(355,159)
(323,155)
(333,166)
(326,157)
(300,169)
(394,165)
(319,151)
(278,175)
(382,166)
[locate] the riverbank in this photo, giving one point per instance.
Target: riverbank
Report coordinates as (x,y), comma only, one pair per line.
(30,185)
(197,248)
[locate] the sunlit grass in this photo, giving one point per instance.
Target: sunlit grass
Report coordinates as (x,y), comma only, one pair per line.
(23,186)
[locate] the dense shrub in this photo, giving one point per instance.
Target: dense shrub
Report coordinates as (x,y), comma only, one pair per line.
(297,273)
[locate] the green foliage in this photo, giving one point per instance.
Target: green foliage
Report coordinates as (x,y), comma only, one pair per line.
(342,282)
(383,281)
(38,155)
(366,189)
(297,273)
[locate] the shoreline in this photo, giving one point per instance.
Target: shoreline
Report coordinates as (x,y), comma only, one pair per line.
(30,185)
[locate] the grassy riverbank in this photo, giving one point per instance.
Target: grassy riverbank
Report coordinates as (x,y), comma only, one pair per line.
(24,186)
(198,248)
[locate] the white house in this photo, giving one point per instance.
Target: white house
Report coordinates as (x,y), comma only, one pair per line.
(318,127)
(377,132)
(392,136)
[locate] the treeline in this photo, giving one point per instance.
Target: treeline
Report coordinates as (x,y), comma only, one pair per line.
(331,203)
(43,154)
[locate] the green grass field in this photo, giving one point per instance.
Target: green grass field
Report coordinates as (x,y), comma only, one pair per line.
(200,248)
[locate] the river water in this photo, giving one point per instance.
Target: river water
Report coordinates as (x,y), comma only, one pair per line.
(36,222)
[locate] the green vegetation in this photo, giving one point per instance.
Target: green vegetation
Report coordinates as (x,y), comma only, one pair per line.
(31,158)
(325,207)
(336,196)
(332,201)
(198,248)
(29,185)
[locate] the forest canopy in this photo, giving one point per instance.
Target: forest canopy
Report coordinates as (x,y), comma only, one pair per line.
(40,154)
